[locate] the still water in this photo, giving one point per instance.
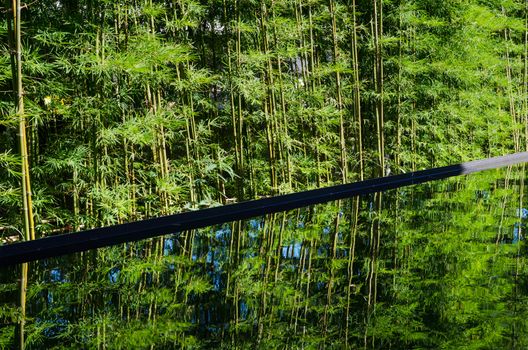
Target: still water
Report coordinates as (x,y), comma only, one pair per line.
(439,265)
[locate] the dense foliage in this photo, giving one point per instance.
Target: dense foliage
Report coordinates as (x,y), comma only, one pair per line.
(141,108)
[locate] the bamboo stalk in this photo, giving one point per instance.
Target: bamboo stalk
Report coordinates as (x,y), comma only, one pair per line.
(525,77)
(378,79)
(357,92)
(342,143)
(29,226)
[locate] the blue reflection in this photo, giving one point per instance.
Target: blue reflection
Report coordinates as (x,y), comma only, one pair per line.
(55,275)
(223,234)
(517,235)
(168,246)
(113,275)
(244,310)
(58,325)
(256,224)
(522,213)
(292,251)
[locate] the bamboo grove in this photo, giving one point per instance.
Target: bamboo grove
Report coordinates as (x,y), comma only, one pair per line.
(142,108)
(113,111)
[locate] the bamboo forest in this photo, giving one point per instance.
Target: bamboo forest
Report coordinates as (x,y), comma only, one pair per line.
(119,111)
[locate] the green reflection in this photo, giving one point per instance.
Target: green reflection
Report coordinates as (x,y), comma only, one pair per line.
(438,266)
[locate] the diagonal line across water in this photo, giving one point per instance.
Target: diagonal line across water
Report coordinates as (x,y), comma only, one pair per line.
(106,236)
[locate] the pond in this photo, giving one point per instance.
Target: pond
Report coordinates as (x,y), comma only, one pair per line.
(438,265)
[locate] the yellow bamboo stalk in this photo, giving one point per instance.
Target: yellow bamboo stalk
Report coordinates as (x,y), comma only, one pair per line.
(29,226)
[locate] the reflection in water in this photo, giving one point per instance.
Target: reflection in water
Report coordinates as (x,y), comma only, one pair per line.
(439,265)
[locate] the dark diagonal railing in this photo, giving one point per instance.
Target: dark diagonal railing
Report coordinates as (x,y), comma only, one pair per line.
(134,231)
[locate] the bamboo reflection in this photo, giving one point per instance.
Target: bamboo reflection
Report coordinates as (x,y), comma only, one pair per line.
(425,271)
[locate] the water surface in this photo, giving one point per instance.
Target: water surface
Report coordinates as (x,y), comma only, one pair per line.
(438,265)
